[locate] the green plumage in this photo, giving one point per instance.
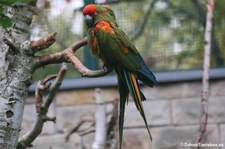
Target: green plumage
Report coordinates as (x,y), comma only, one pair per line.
(116,50)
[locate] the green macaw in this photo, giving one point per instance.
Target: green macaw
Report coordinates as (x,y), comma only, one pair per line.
(113,47)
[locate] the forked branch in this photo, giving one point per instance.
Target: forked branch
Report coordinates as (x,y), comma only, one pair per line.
(42,107)
(68,55)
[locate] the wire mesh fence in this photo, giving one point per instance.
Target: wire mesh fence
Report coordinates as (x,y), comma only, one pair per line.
(167,33)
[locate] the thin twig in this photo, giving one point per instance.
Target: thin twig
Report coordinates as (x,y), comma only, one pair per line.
(27,139)
(91,130)
(206,66)
(76,128)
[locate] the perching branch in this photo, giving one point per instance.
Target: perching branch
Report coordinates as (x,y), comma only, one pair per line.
(206,66)
(68,55)
(42,107)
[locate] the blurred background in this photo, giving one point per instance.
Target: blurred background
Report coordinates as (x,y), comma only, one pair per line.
(169,34)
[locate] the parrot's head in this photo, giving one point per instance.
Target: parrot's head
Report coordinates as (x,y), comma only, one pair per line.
(94,13)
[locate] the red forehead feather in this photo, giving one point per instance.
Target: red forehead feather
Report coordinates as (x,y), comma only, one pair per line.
(107,7)
(89,9)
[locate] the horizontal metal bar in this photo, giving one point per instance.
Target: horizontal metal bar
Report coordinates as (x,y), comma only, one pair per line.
(162,77)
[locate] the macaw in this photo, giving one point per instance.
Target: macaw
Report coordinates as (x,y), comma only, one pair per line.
(109,43)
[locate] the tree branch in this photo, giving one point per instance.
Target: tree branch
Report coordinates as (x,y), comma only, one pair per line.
(91,130)
(43,43)
(76,128)
(42,107)
(68,55)
(206,66)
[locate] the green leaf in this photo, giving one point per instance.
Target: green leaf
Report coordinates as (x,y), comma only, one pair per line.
(1,9)
(11,2)
(7,2)
(5,21)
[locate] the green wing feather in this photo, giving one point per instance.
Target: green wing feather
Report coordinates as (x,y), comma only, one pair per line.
(129,67)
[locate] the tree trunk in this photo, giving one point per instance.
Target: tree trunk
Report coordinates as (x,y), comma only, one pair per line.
(16,64)
(100,120)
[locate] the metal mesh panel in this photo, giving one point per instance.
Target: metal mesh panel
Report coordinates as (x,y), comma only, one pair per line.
(168,34)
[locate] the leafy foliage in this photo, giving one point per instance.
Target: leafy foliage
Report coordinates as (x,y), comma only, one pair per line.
(5,21)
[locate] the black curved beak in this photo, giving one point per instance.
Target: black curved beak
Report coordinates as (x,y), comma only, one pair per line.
(89,20)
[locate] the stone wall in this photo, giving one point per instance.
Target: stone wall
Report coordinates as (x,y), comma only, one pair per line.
(172,110)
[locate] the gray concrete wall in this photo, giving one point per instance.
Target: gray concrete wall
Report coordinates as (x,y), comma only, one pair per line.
(172,110)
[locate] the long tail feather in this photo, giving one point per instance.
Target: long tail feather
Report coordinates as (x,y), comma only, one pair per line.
(121,121)
(134,90)
(123,99)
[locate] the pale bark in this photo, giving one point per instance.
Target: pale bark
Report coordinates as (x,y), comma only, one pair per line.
(18,62)
(100,118)
(15,75)
(206,66)
(42,107)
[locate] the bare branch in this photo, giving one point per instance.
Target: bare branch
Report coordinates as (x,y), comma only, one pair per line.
(41,87)
(206,66)
(51,119)
(50,28)
(55,86)
(92,130)
(85,72)
(27,139)
(50,59)
(60,57)
(76,128)
(68,55)
(43,43)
